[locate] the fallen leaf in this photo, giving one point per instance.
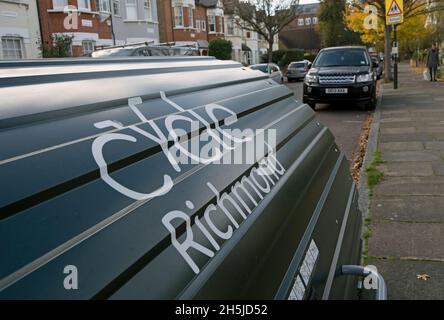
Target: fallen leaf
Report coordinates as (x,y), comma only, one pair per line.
(424,277)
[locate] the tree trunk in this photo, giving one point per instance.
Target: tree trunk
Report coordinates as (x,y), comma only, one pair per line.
(388,53)
(270,49)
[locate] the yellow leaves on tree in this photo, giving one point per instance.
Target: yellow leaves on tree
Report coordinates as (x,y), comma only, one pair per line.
(410,33)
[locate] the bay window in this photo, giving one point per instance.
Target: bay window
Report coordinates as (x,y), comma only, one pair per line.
(178,16)
(84,4)
(147,10)
(131,10)
(103,6)
(59,4)
(212,24)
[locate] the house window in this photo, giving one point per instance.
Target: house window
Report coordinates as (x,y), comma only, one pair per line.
(212,23)
(300,22)
(178,16)
(59,4)
(189,11)
(220,24)
(307,21)
(198,26)
(84,4)
(116,7)
(88,47)
(315,20)
(204,25)
(147,10)
(103,6)
(12,48)
(131,10)
(230,27)
(248,34)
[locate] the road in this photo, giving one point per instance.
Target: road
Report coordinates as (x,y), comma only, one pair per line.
(345,121)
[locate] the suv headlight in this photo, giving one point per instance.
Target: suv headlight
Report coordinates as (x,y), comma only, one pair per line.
(365,77)
(311,78)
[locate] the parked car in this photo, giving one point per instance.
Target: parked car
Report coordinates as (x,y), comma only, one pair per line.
(297,70)
(380,68)
(271,69)
(145,51)
(341,74)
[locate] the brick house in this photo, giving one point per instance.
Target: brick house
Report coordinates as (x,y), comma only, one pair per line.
(193,22)
(301,32)
(83,19)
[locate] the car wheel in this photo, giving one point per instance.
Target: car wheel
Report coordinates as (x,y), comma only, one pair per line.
(371,105)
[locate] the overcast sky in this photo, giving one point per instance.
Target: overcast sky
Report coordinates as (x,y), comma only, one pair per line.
(308,1)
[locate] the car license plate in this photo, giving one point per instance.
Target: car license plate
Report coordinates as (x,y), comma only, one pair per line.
(336,90)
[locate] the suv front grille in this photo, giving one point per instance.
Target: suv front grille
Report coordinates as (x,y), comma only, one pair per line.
(337,79)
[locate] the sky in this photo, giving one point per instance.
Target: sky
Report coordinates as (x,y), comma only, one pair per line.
(307,1)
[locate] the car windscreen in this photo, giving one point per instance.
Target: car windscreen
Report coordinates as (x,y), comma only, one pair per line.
(342,57)
(262,67)
(296,66)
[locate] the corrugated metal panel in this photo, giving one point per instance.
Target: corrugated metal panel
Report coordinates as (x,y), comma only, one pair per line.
(79,159)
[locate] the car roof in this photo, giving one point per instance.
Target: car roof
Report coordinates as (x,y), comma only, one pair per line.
(344,47)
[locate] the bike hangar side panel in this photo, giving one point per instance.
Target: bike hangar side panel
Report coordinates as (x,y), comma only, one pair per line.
(86,182)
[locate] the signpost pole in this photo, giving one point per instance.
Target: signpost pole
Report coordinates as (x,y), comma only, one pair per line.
(395,67)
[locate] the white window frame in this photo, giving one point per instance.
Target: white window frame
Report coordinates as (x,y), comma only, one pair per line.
(204,25)
(198,26)
(300,22)
(148,10)
(131,4)
(119,11)
(176,10)
(221,24)
(230,25)
(211,22)
(315,20)
(88,5)
(20,49)
(103,6)
(190,14)
(91,43)
(307,21)
(59,4)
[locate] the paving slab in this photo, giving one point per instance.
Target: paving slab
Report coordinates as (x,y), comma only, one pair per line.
(403,284)
(401,130)
(434,145)
(408,208)
(420,186)
(407,169)
(418,136)
(399,239)
(409,156)
(402,146)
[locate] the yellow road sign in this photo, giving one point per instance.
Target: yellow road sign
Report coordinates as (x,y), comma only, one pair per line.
(394,11)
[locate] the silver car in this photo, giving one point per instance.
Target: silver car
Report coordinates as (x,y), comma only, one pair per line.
(271,69)
(297,70)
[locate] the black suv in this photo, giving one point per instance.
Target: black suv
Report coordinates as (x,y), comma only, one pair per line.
(341,74)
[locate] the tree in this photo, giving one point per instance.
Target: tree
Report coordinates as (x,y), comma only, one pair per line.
(58,48)
(412,8)
(220,48)
(355,21)
(265,17)
(332,27)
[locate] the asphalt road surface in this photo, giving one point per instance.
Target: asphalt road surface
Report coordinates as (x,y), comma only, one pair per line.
(345,121)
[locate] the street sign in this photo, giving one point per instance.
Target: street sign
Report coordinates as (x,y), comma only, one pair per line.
(394,11)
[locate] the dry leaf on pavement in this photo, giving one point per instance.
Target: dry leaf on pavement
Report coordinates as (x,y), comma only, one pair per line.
(424,277)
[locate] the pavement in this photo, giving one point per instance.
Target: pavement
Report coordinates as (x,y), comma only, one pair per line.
(345,121)
(407,206)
